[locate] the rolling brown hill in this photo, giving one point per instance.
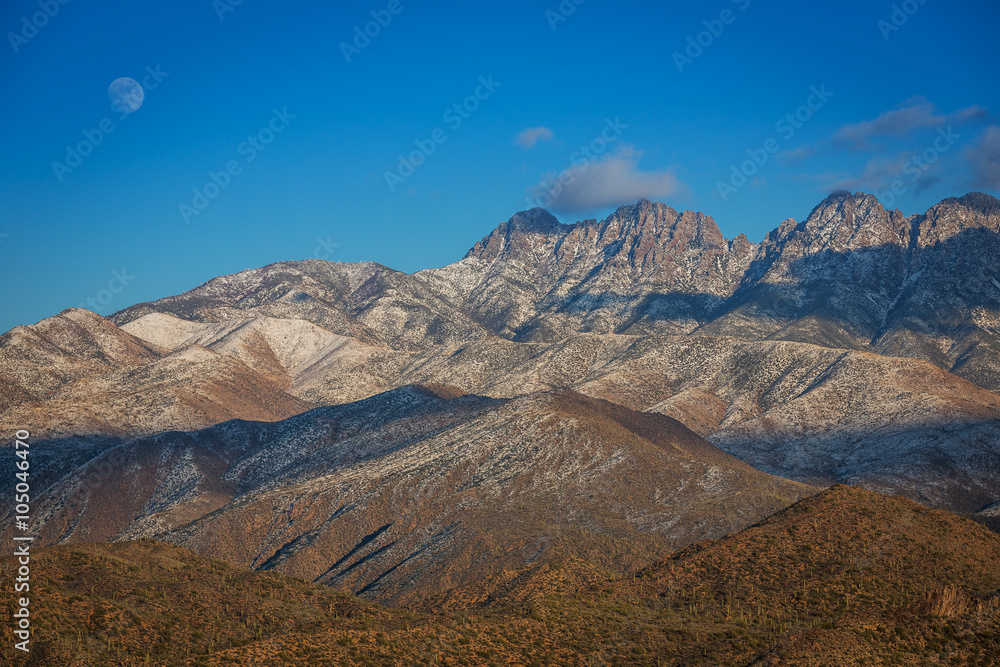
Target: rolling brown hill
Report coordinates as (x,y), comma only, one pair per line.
(846,577)
(76,374)
(39,359)
(410,493)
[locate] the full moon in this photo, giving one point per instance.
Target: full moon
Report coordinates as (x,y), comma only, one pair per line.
(126,94)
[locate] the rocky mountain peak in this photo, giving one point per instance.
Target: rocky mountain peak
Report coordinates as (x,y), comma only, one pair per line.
(513,233)
(846,221)
(642,209)
(956,215)
(844,205)
(663,222)
(536,220)
(636,228)
(741,244)
(976,201)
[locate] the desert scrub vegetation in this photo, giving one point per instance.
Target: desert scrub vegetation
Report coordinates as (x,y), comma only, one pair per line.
(846,577)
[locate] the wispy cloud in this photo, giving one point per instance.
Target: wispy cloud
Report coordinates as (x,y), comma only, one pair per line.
(610,181)
(878,174)
(529,137)
(914,114)
(984,159)
(796,154)
(907,147)
(881,174)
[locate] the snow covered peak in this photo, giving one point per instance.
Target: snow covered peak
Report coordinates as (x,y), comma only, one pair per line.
(845,221)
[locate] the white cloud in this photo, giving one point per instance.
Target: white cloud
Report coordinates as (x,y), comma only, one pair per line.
(914,114)
(530,136)
(610,181)
(796,154)
(879,173)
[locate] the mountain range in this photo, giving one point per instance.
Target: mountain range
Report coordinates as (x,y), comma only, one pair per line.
(606,392)
(851,276)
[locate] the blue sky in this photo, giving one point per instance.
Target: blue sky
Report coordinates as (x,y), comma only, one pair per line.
(300,132)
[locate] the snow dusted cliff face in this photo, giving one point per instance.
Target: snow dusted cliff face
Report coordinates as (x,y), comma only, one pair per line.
(852,275)
(643,261)
(825,280)
(637,247)
(948,309)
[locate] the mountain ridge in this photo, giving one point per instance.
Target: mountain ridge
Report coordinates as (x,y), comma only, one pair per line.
(403,494)
(851,275)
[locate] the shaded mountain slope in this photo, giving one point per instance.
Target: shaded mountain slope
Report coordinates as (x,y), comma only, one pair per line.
(408,494)
(855,275)
(801,411)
